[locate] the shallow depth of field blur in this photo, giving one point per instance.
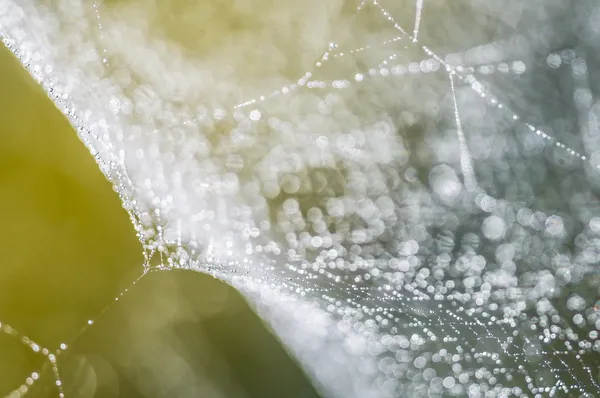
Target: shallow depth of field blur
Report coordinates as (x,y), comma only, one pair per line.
(68,249)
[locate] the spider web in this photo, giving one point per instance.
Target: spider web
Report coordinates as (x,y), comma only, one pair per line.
(449,284)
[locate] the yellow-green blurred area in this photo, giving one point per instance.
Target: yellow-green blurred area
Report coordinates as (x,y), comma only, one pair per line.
(68,249)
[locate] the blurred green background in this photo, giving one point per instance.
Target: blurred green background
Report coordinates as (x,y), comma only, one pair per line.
(68,250)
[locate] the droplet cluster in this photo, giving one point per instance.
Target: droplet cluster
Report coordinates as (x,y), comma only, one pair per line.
(404,237)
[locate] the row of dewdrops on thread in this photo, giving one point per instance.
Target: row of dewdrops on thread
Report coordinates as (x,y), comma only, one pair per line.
(50,355)
(554,60)
(421,361)
(432,64)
